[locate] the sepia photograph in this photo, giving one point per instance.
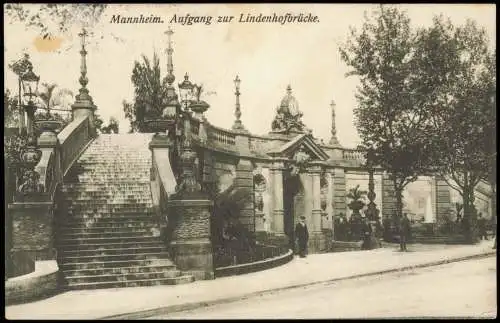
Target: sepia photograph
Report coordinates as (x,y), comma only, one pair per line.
(250,161)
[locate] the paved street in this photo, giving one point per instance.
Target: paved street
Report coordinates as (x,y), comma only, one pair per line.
(462,289)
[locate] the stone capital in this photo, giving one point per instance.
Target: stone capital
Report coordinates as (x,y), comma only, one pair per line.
(278,164)
(314,169)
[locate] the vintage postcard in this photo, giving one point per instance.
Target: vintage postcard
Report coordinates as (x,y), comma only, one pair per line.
(250,161)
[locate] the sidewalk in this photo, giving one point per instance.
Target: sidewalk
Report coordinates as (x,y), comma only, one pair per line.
(318,268)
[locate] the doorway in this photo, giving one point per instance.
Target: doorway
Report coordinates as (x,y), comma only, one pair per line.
(293,205)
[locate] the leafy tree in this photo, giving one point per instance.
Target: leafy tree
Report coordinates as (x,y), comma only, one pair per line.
(53,18)
(53,98)
(462,72)
(98,122)
(389,117)
(112,126)
(10,110)
(149,94)
(130,114)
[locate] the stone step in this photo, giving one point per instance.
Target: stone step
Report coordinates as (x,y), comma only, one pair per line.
(114,264)
(111,209)
(113,245)
(79,241)
(100,200)
(107,204)
(108,229)
(122,277)
(109,251)
(114,179)
(107,234)
(131,185)
(134,283)
(119,270)
(114,257)
(108,220)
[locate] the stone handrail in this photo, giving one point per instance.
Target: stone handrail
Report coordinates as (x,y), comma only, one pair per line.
(49,169)
(73,140)
(353,154)
(221,136)
(163,180)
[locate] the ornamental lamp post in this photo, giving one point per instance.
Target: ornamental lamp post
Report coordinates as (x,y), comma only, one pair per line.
(29,82)
(372,212)
(186,91)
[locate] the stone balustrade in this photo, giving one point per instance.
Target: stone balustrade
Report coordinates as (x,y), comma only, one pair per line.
(73,139)
(353,154)
(221,136)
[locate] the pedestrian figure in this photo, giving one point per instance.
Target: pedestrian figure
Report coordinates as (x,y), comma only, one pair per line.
(367,232)
(404,232)
(302,235)
(481,225)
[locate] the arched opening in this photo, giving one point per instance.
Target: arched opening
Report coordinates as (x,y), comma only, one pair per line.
(293,205)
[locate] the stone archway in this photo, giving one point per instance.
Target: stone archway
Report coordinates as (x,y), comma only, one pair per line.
(293,205)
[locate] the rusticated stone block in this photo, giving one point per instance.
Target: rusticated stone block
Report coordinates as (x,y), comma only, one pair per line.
(32,233)
(191,246)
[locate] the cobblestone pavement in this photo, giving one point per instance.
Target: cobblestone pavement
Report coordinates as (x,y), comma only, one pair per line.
(462,289)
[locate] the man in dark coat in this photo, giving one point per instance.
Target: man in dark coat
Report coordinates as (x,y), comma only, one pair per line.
(367,235)
(302,236)
(481,225)
(404,232)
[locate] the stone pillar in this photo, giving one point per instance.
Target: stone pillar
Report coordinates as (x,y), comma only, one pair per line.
(191,246)
(339,199)
(388,197)
(328,223)
(316,195)
(317,240)
(277,224)
(244,180)
(32,234)
(442,198)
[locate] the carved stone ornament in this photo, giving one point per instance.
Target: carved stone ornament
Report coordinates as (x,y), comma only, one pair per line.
(29,182)
(300,159)
(288,116)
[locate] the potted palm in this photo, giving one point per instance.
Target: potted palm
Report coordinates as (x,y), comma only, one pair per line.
(356,195)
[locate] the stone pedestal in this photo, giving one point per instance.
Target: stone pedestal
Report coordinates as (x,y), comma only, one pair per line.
(84,106)
(32,234)
(191,247)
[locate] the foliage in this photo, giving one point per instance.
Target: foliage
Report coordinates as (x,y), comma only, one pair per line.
(22,65)
(463,77)
(390,116)
(55,98)
(10,110)
(356,194)
(112,127)
(229,236)
(98,122)
(150,96)
(54,18)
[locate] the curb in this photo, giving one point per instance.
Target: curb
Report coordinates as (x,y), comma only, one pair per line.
(194,305)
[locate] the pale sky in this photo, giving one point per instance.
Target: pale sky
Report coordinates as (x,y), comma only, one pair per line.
(267,57)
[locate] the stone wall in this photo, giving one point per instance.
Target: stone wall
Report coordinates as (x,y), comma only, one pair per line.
(388,198)
(244,180)
(443,200)
(41,283)
(32,234)
(339,189)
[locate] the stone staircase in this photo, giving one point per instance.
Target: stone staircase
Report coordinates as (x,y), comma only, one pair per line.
(108,236)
